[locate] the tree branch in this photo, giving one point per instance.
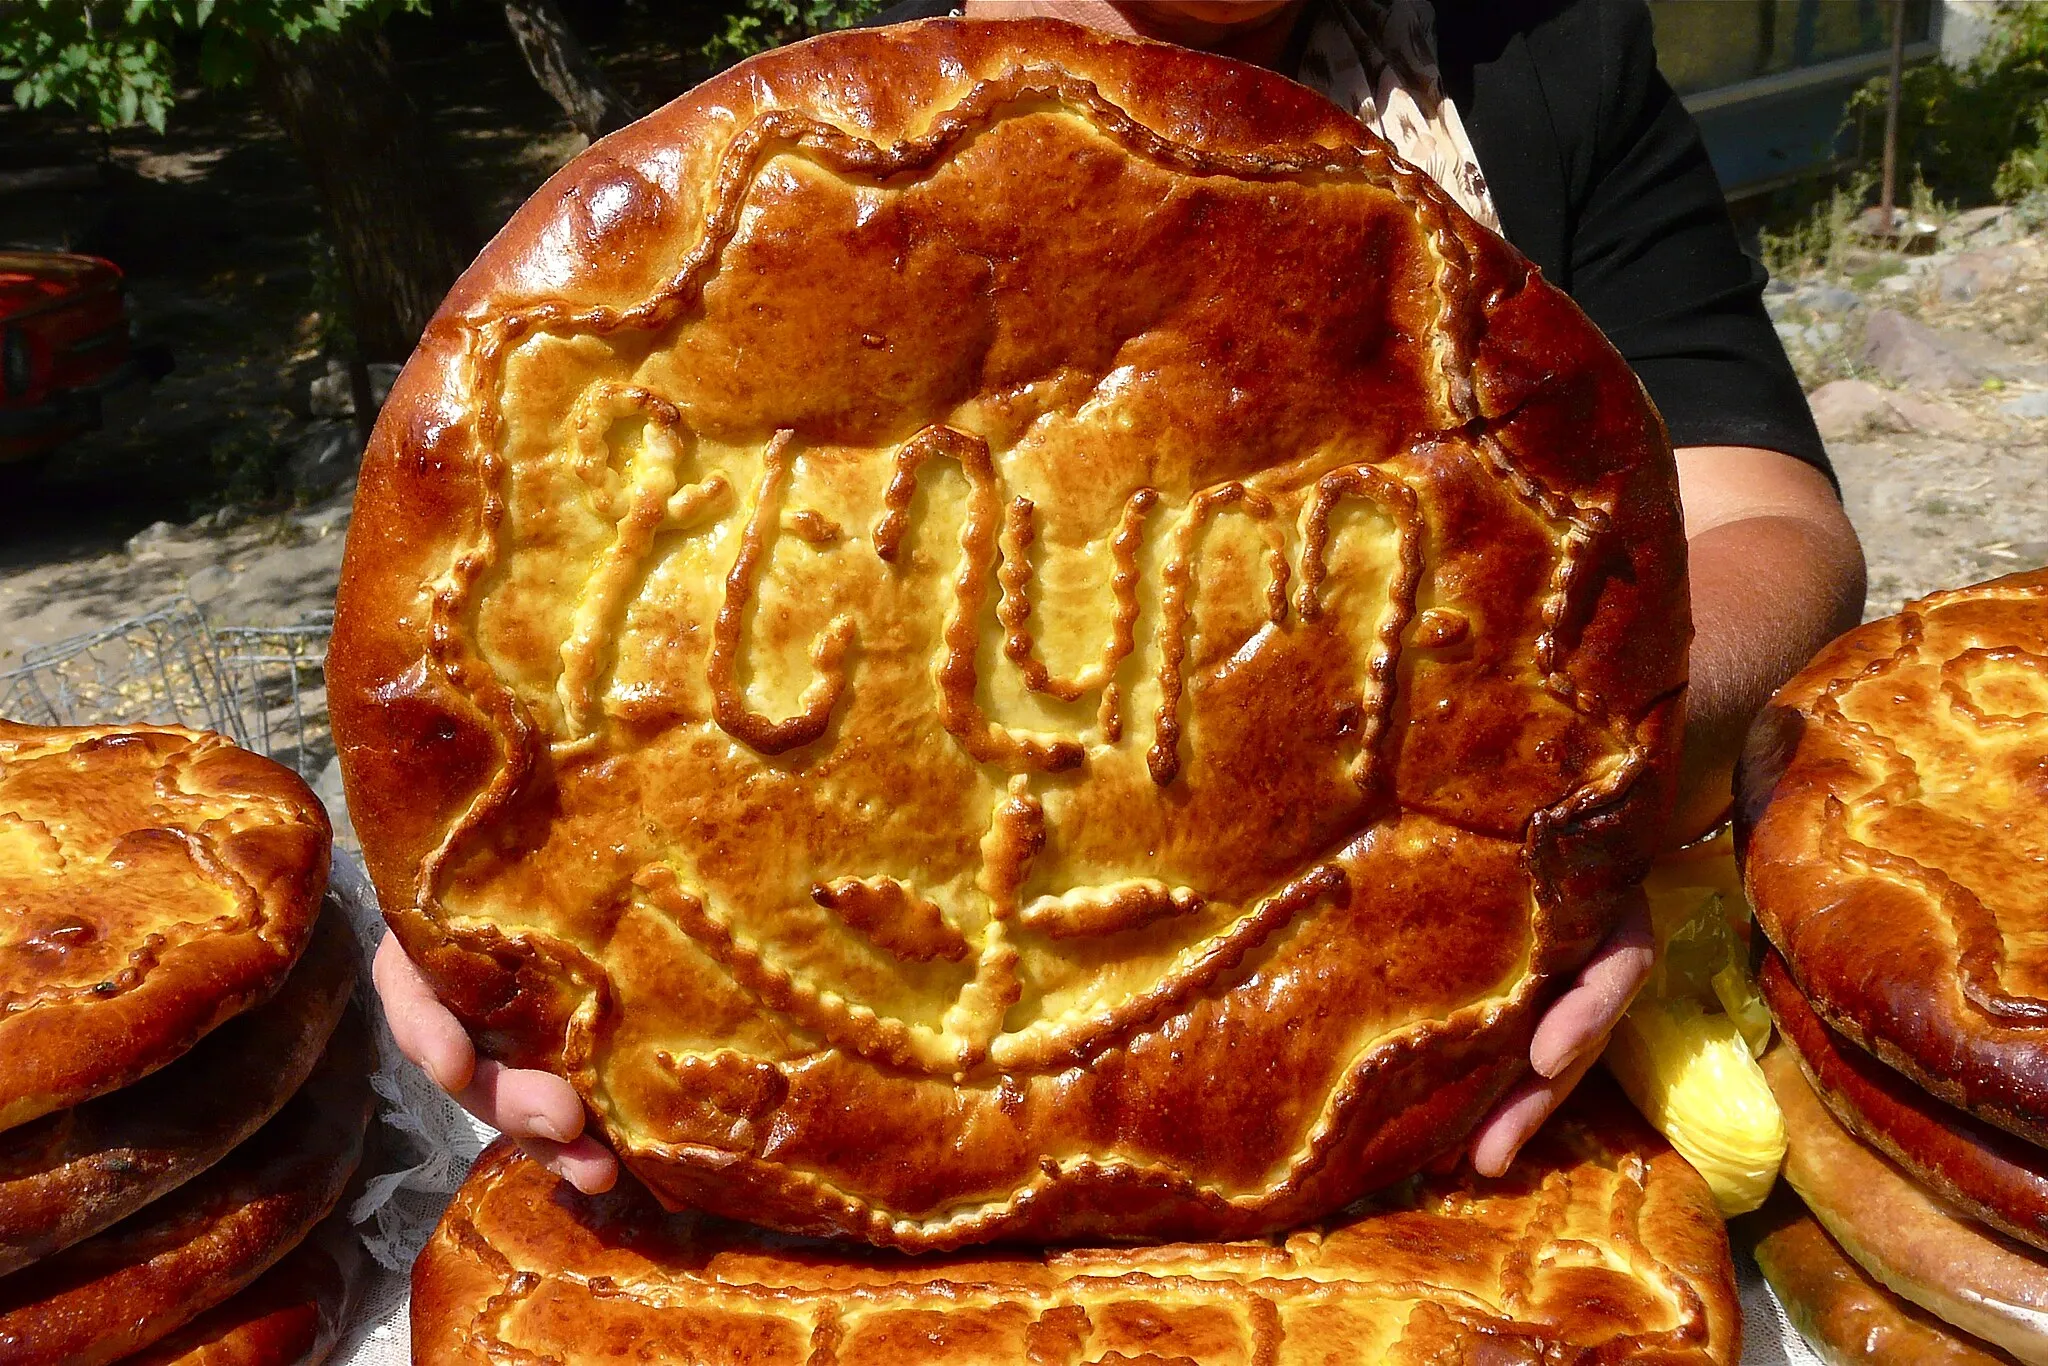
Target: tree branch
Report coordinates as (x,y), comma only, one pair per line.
(565,69)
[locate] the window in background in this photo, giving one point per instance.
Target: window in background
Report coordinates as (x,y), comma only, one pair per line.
(1707,44)
(1768,79)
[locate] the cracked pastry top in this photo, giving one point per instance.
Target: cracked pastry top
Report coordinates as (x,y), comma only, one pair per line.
(154,882)
(980,630)
(1602,1245)
(1895,798)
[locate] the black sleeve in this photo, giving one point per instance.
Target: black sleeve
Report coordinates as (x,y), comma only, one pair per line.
(1653,257)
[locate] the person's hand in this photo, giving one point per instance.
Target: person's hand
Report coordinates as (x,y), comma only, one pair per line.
(1569,1039)
(1776,573)
(539,1109)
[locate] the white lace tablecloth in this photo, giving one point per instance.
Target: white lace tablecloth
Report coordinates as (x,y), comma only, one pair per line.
(429,1142)
(426,1144)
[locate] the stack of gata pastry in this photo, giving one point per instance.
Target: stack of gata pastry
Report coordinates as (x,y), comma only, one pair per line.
(984,632)
(183,1082)
(1894,802)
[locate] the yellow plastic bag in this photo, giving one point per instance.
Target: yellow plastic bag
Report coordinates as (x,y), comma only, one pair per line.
(1686,1051)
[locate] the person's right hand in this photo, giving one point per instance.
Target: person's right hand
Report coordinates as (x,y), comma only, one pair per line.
(539,1109)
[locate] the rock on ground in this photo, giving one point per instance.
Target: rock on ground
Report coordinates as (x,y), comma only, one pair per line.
(1940,440)
(1845,409)
(1914,355)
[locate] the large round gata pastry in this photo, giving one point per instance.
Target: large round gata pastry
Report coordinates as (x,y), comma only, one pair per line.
(983,630)
(1895,804)
(154,881)
(1601,1245)
(1982,1171)
(70,1174)
(128,1287)
(1846,1317)
(292,1315)
(1970,1277)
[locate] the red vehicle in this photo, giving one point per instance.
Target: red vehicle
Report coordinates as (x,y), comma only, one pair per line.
(64,348)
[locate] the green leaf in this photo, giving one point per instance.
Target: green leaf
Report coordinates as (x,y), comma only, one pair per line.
(756,25)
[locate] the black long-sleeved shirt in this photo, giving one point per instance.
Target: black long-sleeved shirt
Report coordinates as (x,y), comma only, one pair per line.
(1600,178)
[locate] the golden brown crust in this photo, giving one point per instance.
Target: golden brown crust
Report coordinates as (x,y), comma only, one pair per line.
(70,1174)
(1845,1316)
(1067,830)
(154,881)
(1896,849)
(1601,1245)
(291,1316)
(1983,1172)
(1963,1273)
(121,1290)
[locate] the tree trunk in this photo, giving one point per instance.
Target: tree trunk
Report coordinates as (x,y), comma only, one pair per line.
(565,70)
(402,231)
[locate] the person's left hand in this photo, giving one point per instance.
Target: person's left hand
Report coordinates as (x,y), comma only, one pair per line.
(1776,573)
(1569,1039)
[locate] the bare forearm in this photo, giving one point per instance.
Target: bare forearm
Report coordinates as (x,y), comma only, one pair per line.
(1767,592)
(1776,573)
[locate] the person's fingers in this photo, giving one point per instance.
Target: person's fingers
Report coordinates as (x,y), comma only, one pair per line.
(422,1027)
(1578,1022)
(539,1109)
(1501,1134)
(523,1103)
(584,1164)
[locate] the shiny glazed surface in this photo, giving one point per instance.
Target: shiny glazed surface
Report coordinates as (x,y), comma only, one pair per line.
(1982,1282)
(984,631)
(292,1315)
(1601,1243)
(1845,1316)
(154,881)
(121,1290)
(1895,801)
(1983,1172)
(70,1174)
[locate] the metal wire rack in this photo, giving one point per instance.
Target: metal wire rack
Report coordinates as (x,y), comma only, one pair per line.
(263,686)
(277,686)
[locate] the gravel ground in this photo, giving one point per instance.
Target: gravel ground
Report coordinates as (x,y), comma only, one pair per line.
(1941,442)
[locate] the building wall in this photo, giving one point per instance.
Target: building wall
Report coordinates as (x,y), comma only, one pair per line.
(1768,79)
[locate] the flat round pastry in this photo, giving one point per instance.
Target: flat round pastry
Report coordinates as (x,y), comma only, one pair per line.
(981,630)
(122,1290)
(1847,1318)
(1983,1172)
(154,881)
(292,1316)
(70,1174)
(1968,1276)
(1601,1245)
(1895,806)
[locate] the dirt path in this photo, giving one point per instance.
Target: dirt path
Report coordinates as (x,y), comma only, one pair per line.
(1931,385)
(277,570)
